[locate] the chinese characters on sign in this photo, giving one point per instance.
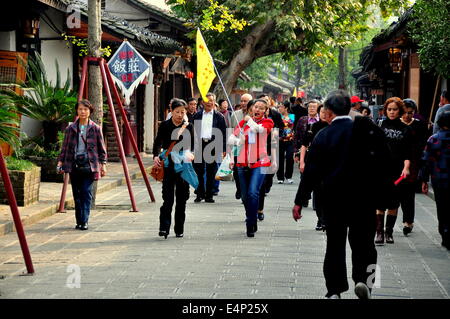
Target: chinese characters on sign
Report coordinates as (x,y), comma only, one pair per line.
(128,69)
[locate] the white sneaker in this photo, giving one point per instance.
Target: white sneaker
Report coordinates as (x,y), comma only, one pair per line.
(290,181)
(337,296)
(362,291)
(280,182)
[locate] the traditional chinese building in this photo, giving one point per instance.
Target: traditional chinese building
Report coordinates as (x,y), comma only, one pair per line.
(390,66)
(37,26)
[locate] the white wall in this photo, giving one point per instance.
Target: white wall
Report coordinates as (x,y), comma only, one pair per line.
(149,114)
(8,41)
(51,50)
(55,49)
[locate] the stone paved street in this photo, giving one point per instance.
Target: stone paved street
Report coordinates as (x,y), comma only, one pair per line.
(121,256)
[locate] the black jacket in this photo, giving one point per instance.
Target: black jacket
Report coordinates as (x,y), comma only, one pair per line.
(218,122)
(165,134)
(347,162)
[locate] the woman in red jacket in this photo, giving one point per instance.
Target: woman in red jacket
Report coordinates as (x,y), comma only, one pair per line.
(252,162)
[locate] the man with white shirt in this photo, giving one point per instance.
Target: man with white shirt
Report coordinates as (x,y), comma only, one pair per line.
(210,135)
(350,198)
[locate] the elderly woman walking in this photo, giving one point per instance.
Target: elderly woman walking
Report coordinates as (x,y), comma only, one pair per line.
(83,156)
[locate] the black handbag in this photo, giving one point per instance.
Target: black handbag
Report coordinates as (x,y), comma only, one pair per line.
(81,164)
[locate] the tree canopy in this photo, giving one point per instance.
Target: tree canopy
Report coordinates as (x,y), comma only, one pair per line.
(430,25)
(289,27)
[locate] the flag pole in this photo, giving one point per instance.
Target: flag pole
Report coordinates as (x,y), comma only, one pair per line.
(221,83)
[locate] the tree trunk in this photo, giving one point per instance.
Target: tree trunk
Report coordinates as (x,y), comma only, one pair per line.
(342,68)
(94,45)
(255,45)
(94,75)
(298,73)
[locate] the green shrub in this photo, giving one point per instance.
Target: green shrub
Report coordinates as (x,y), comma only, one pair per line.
(15,164)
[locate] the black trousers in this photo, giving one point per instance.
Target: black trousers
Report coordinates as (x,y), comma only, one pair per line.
(236,177)
(210,169)
(286,155)
(407,191)
(265,189)
(173,185)
(318,199)
(360,228)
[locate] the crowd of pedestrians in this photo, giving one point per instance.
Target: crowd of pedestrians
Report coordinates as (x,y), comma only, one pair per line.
(327,141)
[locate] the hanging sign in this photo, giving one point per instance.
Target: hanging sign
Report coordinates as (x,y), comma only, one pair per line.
(128,69)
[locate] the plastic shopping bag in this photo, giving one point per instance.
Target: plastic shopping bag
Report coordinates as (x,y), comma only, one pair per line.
(224,172)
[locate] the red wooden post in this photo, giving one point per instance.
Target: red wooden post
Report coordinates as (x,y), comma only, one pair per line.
(128,129)
(16,215)
(116,129)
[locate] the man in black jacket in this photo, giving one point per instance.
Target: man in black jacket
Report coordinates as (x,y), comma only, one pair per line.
(210,137)
(349,196)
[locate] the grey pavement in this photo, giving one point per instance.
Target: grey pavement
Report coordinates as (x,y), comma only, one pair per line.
(121,255)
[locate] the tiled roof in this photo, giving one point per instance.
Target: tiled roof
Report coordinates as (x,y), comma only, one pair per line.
(396,28)
(155,42)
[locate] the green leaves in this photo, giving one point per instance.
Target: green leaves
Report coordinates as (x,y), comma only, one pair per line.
(42,100)
(429,28)
(16,164)
(9,122)
(301,25)
(303,28)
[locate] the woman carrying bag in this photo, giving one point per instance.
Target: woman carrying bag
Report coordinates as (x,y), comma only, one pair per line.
(253,162)
(83,156)
(176,138)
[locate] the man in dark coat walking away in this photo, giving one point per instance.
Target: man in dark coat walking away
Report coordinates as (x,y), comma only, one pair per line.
(350,197)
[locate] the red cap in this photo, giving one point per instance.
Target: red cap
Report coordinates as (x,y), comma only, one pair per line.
(356,99)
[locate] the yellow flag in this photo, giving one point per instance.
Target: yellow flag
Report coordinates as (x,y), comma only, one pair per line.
(205,67)
(295,92)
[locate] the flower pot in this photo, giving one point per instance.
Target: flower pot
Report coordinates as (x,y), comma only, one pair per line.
(25,185)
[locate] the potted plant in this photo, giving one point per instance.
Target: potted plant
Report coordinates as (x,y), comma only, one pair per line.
(53,105)
(33,150)
(24,175)
(25,178)
(9,122)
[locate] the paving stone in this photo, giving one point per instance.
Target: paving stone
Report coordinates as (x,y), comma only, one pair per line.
(121,256)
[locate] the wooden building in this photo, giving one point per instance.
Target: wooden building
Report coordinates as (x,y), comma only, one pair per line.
(390,66)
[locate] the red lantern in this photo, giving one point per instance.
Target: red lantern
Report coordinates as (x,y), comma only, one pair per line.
(189,74)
